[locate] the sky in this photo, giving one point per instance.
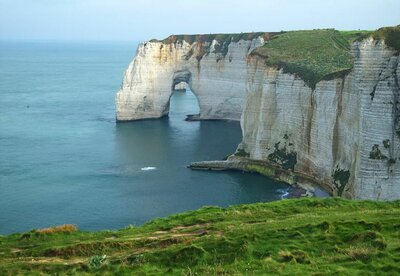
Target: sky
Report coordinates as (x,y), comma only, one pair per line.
(133,20)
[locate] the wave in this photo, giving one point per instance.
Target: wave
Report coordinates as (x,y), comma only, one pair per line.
(148,168)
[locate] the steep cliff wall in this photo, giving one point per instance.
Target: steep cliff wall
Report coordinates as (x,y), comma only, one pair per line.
(342,133)
(214,70)
(342,130)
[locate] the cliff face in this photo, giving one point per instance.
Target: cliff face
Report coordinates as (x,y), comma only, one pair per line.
(217,78)
(344,133)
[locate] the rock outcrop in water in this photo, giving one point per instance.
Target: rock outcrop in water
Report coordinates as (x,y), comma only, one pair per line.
(343,131)
(215,72)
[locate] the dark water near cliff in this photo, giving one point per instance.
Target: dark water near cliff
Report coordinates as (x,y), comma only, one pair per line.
(63,159)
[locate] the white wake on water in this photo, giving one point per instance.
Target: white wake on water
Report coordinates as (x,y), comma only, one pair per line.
(148,168)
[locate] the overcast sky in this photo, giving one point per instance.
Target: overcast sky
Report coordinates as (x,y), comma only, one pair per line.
(146,19)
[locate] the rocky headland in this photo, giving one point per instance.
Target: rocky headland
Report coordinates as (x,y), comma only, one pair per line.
(318,106)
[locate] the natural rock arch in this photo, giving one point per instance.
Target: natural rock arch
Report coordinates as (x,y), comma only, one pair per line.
(331,128)
(218,79)
(181,77)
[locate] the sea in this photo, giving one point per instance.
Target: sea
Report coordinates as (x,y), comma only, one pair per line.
(64,158)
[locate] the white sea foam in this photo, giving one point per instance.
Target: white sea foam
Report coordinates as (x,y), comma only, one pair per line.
(148,168)
(285,194)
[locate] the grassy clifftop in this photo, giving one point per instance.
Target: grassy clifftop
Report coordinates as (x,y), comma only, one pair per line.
(292,237)
(235,37)
(203,42)
(315,55)
(391,36)
(312,55)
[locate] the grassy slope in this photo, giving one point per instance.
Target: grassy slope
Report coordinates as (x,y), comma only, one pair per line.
(391,35)
(312,55)
(304,236)
(204,41)
(235,37)
(353,36)
(320,54)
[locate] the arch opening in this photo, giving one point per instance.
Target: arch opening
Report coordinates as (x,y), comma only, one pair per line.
(181,76)
(180,87)
(185,100)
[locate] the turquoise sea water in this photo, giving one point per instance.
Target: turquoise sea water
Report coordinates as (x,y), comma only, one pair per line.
(63,159)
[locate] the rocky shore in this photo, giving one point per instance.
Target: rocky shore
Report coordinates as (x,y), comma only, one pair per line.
(300,185)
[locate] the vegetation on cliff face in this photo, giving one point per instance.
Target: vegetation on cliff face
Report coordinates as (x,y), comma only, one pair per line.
(312,55)
(340,179)
(284,156)
(391,36)
(202,38)
(291,237)
(353,36)
(242,153)
(203,42)
(376,153)
(315,55)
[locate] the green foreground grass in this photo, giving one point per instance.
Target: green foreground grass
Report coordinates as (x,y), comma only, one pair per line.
(291,237)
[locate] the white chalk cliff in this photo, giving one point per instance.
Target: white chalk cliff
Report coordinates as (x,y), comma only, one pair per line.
(344,133)
(218,81)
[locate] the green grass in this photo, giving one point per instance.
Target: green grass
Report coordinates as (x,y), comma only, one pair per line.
(235,37)
(242,153)
(289,237)
(312,55)
(204,42)
(315,55)
(353,36)
(391,35)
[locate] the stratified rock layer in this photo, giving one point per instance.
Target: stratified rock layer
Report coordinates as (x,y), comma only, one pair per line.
(217,79)
(343,133)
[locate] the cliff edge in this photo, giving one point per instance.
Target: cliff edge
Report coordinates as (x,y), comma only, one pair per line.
(322,104)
